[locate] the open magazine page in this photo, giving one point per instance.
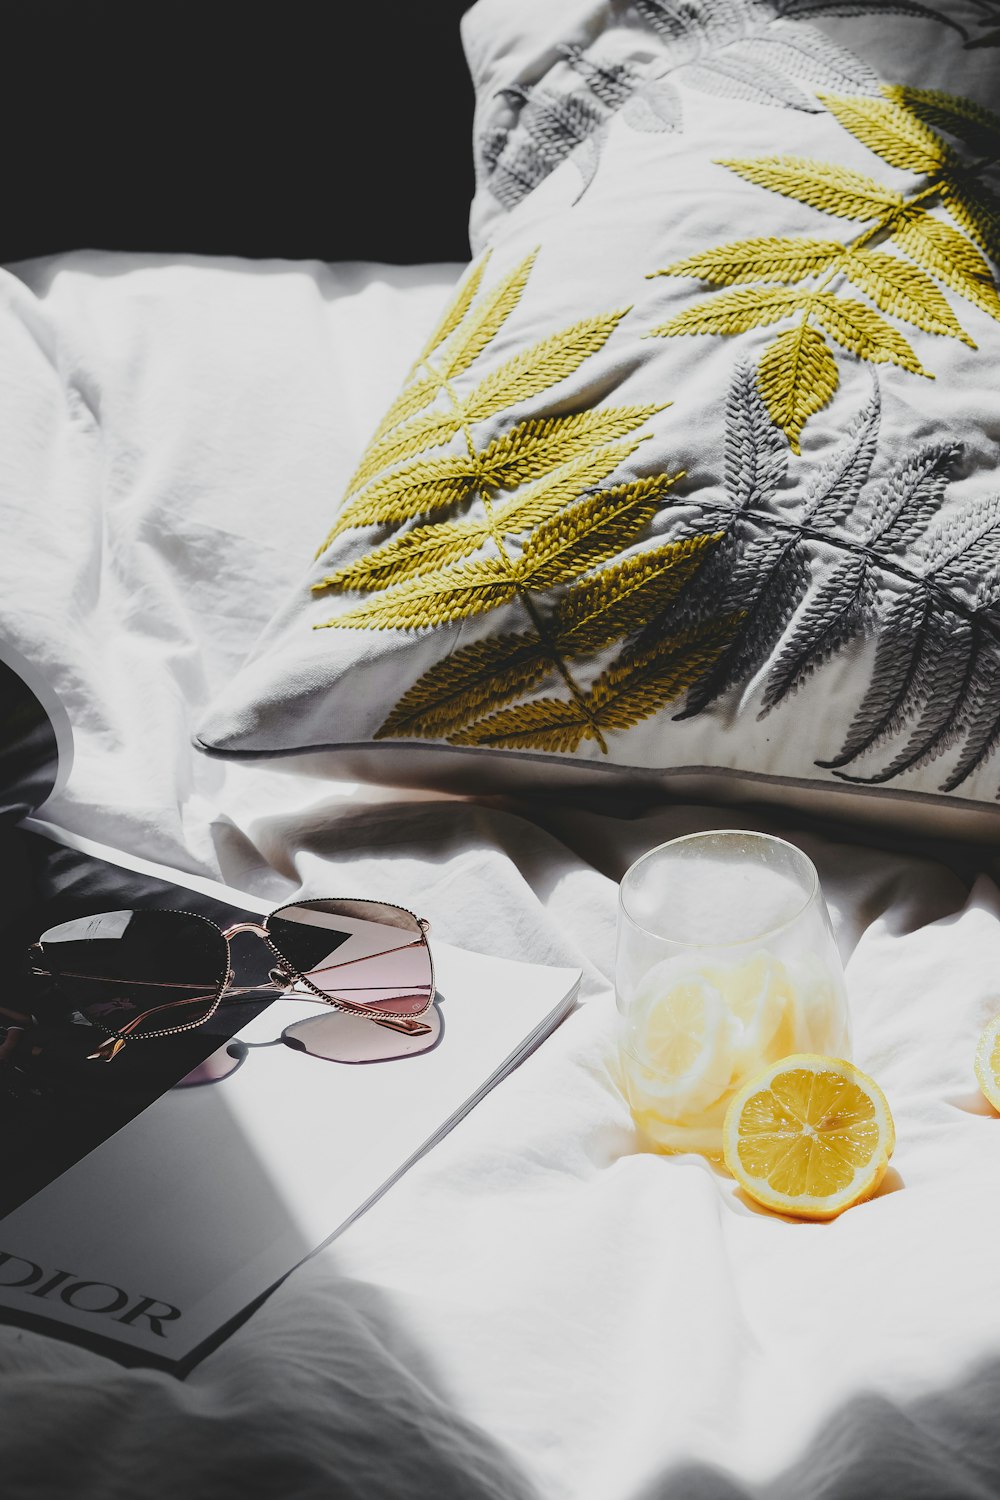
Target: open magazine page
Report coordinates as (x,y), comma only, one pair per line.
(148,1210)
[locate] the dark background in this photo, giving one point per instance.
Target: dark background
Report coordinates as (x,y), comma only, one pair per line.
(304,129)
(326,129)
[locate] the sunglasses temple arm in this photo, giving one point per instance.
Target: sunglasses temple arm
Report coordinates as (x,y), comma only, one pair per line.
(404,1024)
(391,1023)
(113,1044)
(364,958)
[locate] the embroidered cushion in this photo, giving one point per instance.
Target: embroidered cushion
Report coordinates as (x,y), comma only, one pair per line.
(699,469)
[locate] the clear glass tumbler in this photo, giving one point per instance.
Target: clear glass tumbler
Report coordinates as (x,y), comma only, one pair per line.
(726,962)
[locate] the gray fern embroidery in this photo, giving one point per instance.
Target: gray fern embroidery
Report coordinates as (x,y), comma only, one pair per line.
(550,125)
(764,51)
(922,581)
(810,9)
(981,26)
(987,24)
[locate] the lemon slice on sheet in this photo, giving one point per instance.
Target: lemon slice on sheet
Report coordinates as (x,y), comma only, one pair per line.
(809,1136)
(988,1061)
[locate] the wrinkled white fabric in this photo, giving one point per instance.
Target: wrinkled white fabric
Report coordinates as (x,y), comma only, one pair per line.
(175,434)
(538,1309)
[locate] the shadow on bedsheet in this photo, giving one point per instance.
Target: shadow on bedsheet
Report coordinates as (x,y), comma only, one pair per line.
(944,1446)
(324,1395)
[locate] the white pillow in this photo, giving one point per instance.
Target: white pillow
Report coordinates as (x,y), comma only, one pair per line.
(700,471)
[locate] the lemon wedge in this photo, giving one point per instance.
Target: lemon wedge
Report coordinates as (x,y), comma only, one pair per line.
(809,1136)
(988,1061)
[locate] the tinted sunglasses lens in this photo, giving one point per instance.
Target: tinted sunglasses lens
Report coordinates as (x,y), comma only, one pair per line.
(340,1037)
(140,971)
(363,953)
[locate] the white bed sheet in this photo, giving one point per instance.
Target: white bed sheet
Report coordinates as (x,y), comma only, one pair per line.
(537,1309)
(174,435)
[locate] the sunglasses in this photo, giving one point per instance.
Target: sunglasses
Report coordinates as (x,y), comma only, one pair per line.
(138,976)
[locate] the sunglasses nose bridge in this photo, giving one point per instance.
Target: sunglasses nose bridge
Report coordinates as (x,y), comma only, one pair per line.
(254,927)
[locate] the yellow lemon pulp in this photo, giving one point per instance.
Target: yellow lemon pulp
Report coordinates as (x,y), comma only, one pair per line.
(696,1030)
(809,1136)
(988,1062)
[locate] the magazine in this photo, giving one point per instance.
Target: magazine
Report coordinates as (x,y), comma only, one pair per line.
(154,1244)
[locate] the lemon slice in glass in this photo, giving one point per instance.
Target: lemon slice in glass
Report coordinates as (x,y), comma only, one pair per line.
(988,1061)
(809,1136)
(680,1055)
(700,1131)
(761,999)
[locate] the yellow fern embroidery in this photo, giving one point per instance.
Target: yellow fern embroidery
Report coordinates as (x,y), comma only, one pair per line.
(977,213)
(562,547)
(972,123)
(484,319)
(436,598)
(831,189)
(898,137)
(468,327)
(736,311)
(533,447)
(455,311)
(464,686)
(904,291)
(863,332)
(532,515)
(633,688)
(949,256)
(462,689)
(526,375)
(765,259)
(428,547)
(418,393)
(797,374)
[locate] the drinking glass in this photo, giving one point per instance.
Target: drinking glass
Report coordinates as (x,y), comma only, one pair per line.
(726,962)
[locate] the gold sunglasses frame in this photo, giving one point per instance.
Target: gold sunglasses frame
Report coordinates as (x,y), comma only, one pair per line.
(283,978)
